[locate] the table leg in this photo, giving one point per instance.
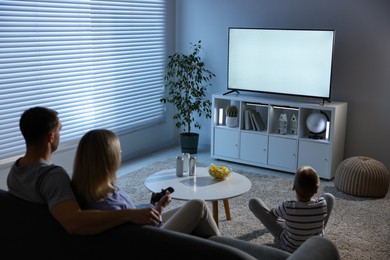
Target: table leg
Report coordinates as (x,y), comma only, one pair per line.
(227,209)
(215,211)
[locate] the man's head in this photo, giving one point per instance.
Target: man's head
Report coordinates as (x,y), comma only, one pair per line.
(306,182)
(39,126)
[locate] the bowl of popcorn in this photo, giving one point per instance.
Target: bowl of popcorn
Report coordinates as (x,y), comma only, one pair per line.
(219,172)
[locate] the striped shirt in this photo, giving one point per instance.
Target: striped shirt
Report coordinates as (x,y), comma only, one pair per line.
(302,221)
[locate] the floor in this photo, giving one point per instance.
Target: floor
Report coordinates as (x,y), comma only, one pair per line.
(203,156)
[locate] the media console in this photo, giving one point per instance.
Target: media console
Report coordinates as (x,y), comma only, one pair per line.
(268,146)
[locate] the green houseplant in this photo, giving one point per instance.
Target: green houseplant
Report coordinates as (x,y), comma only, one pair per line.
(231,111)
(231,116)
(186,82)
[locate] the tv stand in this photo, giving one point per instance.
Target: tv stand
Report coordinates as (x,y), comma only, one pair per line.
(275,149)
(231,91)
(325,99)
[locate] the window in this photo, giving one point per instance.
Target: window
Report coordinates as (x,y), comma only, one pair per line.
(100,64)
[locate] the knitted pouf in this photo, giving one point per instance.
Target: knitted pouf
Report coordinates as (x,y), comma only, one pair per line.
(362,176)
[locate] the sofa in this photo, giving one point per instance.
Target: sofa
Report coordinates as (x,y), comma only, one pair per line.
(29,231)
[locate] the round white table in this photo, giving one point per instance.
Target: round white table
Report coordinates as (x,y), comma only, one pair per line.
(200,186)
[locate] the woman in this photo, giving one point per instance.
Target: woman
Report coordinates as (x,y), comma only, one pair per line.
(98,157)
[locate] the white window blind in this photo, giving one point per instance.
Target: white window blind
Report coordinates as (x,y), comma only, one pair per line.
(100,64)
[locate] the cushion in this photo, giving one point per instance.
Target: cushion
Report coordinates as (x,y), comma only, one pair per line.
(362,176)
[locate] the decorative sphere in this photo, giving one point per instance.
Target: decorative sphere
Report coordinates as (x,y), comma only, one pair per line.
(316,122)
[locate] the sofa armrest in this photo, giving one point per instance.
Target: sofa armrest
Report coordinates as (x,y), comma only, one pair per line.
(261,252)
(318,248)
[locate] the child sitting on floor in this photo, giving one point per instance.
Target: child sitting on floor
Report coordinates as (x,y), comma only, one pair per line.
(294,221)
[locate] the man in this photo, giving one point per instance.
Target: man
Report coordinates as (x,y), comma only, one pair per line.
(34,178)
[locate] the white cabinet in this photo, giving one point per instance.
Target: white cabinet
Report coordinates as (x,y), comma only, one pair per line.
(282,153)
(276,147)
(228,142)
(253,147)
(315,154)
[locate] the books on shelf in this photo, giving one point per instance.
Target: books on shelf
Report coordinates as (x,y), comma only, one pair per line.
(253,120)
(247,120)
(260,126)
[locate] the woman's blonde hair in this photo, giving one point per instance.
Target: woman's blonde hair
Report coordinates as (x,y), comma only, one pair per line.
(97,160)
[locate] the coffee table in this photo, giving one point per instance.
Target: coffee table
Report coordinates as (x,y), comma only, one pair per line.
(200,186)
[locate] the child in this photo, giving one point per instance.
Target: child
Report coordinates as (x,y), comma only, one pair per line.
(97,160)
(294,221)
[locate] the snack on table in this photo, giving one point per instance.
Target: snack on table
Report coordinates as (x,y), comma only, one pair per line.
(219,172)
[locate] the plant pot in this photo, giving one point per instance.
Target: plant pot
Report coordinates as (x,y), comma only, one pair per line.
(231,121)
(189,142)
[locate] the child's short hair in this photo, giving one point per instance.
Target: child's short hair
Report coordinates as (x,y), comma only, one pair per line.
(306,182)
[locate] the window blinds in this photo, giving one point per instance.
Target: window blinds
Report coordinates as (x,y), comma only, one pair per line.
(100,64)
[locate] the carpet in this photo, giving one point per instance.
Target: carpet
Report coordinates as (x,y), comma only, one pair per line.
(359,227)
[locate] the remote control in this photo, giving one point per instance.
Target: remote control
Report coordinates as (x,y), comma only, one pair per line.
(158,196)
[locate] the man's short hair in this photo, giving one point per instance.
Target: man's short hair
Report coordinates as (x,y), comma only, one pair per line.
(36,122)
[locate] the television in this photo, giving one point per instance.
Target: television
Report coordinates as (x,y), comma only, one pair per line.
(281,61)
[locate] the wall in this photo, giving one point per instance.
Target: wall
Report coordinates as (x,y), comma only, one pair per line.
(361,69)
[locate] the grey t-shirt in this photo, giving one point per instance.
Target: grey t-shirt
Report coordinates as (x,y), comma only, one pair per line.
(54,187)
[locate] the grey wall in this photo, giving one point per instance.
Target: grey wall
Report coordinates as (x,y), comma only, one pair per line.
(361,71)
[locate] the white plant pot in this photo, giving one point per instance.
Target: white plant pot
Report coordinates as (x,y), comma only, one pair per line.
(231,121)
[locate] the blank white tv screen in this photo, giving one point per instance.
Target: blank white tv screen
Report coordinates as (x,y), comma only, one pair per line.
(281,61)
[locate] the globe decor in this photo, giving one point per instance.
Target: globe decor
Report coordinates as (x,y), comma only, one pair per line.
(316,123)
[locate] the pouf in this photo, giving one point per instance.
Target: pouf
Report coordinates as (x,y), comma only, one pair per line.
(362,176)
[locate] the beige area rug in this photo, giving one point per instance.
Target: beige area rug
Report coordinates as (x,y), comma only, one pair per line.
(360,227)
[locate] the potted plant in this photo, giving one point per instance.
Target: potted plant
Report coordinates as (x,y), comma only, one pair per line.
(231,116)
(186,82)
